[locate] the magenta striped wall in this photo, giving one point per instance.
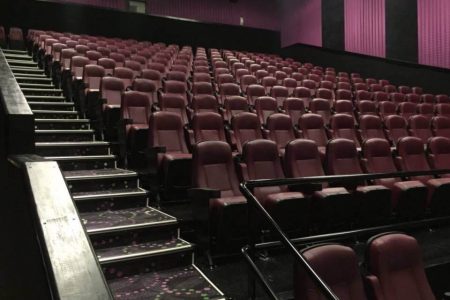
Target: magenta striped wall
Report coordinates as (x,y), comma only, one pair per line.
(434,32)
(365,30)
(301,22)
(256,13)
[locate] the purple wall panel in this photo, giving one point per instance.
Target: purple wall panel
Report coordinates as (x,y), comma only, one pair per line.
(116,4)
(365,27)
(301,22)
(434,32)
(257,13)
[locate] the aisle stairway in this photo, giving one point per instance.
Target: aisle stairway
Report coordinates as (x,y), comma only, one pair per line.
(138,247)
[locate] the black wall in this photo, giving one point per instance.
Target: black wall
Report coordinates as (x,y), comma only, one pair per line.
(99,21)
(401,30)
(433,80)
(333,31)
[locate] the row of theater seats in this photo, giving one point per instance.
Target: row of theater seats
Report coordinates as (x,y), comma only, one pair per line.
(14,38)
(393,270)
(301,207)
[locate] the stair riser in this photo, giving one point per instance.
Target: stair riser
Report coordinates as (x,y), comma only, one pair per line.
(45,99)
(78,137)
(149,264)
(36,73)
(54,116)
(18,57)
(113,203)
(69,151)
(134,237)
(51,107)
(38,85)
(102,184)
(86,165)
(41,93)
(62,126)
(22,63)
(33,80)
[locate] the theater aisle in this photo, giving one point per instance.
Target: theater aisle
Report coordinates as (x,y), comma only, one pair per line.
(139,247)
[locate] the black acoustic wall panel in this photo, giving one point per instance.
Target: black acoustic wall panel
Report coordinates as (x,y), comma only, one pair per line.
(401,30)
(333,31)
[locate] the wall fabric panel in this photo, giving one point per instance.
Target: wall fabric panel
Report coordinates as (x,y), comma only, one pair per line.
(365,27)
(434,32)
(301,22)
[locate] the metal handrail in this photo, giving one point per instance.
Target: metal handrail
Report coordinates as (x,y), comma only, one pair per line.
(284,240)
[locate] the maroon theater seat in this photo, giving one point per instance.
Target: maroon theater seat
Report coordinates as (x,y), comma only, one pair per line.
(176,88)
(371,127)
(426,110)
(407,109)
(108,64)
(227,90)
(303,94)
(343,126)
(442,98)
(208,126)
(442,109)
(154,76)
(321,107)
(372,203)
(246,81)
(136,109)
(246,127)
(111,89)
(233,106)
(441,126)
(386,109)
(313,128)
(396,269)
(295,108)
(329,261)
(420,126)
(396,128)
(280,93)
(146,87)
(280,130)
(408,197)
(253,92)
(265,106)
(290,209)
(125,74)
(176,104)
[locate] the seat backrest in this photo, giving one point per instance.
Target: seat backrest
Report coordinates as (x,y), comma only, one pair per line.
(208,126)
(404,89)
(125,74)
(304,94)
(420,127)
(344,107)
(265,106)
(92,76)
(321,107)
(213,168)
(441,126)
(343,94)
(363,95)
(111,89)
(204,103)
(442,98)
(342,157)
(263,162)
(313,128)
(414,98)
(108,64)
(295,108)
(407,109)
(378,159)
(202,88)
(366,107)
(146,87)
(427,98)
(302,159)
(343,126)
(280,93)
(329,261)
(119,58)
(166,129)
(228,89)
(247,80)
(371,127)
(254,91)
(380,96)
(426,110)
(233,106)
(443,109)
(397,97)
(396,127)
(395,259)
(135,106)
(77,65)
(174,103)
(387,108)
(280,129)
(439,150)
(246,127)
(411,151)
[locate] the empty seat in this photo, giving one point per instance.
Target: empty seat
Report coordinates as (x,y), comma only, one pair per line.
(203,103)
(380,97)
(397,98)
(108,64)
(414,98)
(176,104)
(420,127)
(213,169)
(404,89)
(247,80)
(396,128)
(394,260)
(280,93)
(312,128)
(439,153)
(310,85)
(173,87)
(92,77)
(345,107)
(343,126)
(289,209)
(367,107)
(328,261)
(177,76)
(372,203)
(303,94)
(246,127)
(443,109)
(146,87)
(343,94)
(228,89)
(411,151)
(208,126)
(408,197)
(363,95)
(442,98)
(290,84)
(426,110)
(154,76)
(201,77)
(77,66)
(253,92)
(417,90)
(202,88)
(371,127)
(268,83)
(124,74)
(321,107)
(441,126)
(427,98)
(280,130)
(265,106)
(233,106)
(407,109)
(295,108)
(386,109)
(111,89)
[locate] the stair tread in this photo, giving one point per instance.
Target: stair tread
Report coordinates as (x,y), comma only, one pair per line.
(124,219)
(108,194)
(144,249)
(186,282)
(101,173)
(85,157)
(51,103)
(44,96)
(65,131)
(71,144)
(24,76)
(61,120)
(35,89)
(45,111)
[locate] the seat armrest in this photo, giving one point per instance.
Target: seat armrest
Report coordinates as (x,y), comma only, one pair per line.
(373,287)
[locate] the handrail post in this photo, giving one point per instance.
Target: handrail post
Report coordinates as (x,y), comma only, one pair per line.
(252,233)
